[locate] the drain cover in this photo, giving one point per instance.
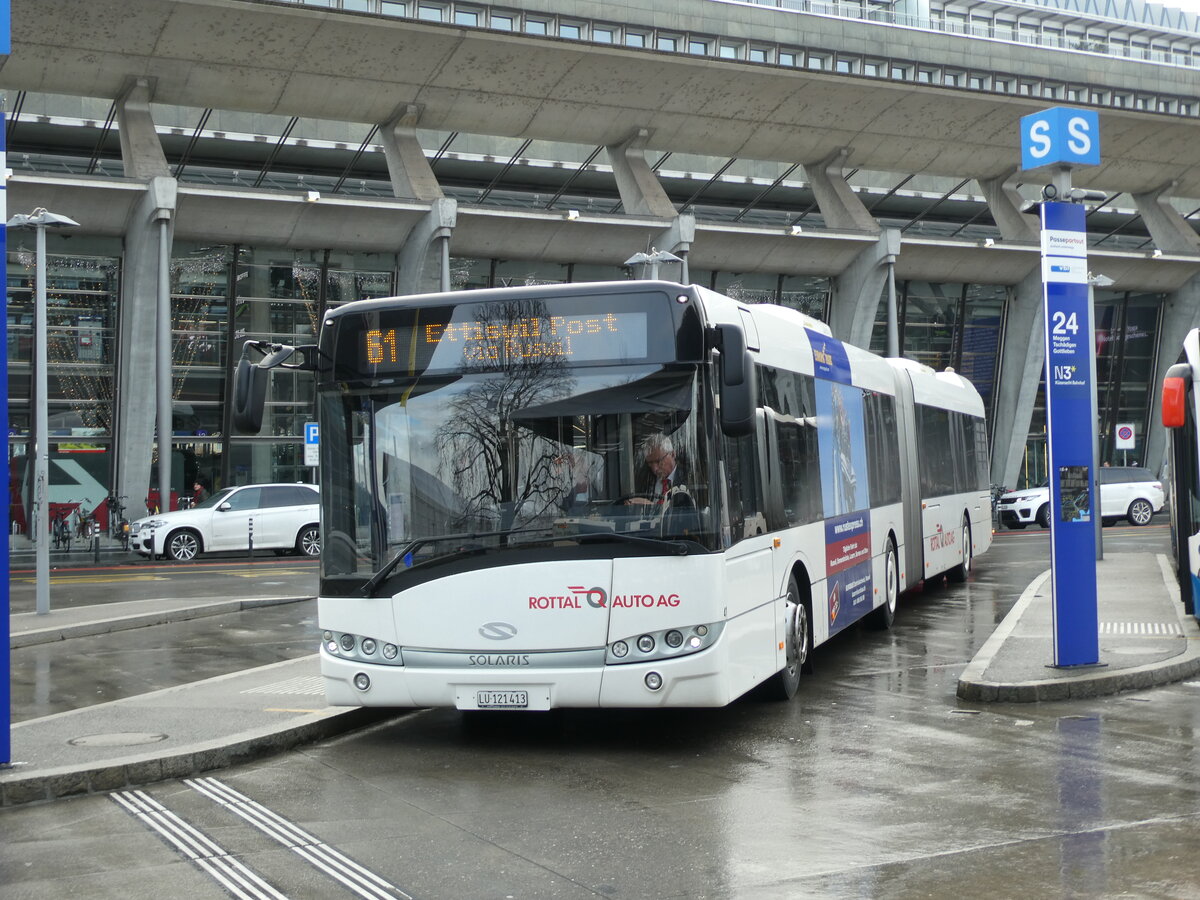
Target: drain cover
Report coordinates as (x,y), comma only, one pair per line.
(117,739)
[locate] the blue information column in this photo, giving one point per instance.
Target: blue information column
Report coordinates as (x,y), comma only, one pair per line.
(1070,427)
(5,627)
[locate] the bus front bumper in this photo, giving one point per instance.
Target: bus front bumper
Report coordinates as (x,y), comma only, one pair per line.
(693,680)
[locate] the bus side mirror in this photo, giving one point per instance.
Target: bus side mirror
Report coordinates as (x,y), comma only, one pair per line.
(249,396)
(1174,395)
(737,384)
(250,379)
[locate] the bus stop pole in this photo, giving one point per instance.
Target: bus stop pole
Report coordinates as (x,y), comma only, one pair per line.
(6,628)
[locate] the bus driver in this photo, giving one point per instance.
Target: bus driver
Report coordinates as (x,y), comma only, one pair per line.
(666,471)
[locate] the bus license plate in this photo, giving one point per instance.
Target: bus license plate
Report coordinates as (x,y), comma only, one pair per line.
(502,699)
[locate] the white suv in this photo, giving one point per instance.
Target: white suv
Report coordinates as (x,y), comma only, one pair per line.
(277,517)
(1126,492)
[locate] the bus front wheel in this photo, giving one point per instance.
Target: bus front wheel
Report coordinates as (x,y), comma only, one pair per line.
(798,641)
(883,617)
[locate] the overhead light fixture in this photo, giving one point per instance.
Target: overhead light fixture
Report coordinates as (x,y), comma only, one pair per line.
(1156,253)
(989,242)
(313,196)
(1100,281)
(572,215)
(795,230)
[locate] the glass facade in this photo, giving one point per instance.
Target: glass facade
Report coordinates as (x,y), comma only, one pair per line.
(281,295)
(1127,326)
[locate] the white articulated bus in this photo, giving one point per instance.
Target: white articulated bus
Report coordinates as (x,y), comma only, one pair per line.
(1181,415)
(626,494)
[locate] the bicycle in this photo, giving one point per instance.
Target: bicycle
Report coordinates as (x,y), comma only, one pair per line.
(85,527)
(118,525)
(61,530)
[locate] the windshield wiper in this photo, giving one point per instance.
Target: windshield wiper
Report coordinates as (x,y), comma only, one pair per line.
(369,586)
(680,548)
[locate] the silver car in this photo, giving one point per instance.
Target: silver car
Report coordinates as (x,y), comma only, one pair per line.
(1126,492)
(280,517)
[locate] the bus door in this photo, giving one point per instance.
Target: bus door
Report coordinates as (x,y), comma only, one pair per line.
(750,579)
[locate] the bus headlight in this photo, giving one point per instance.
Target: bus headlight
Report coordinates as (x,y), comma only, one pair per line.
(364,649)
(668,644)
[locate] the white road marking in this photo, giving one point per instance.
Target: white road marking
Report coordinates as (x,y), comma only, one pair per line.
(362,881)
(236,877)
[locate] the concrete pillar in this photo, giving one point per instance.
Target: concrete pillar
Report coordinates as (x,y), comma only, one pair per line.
(144,160)
(857,290)
(1168,228)
(141,151)
(839,205)
(412,177)
(1021,360)
(424,257)
(641,194)
(135,413)
(1181,313)
(1004,202)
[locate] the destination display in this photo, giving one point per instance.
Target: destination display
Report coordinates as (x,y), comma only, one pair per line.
(569,338)
(627,328)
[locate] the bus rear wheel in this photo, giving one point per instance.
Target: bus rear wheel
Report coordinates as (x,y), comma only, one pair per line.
(963,569)
(798,642)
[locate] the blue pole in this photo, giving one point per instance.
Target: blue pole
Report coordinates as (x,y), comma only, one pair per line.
(5,629)
(1071,426)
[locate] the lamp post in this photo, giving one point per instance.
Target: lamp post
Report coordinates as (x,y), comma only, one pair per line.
(1093,282)
(39,220)
(654,258)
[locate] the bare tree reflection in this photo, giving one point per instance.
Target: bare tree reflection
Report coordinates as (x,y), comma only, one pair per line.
(503,472)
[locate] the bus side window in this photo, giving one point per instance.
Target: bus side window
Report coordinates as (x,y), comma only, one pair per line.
(935,447)
(745,511)
(799,456)
(883,448)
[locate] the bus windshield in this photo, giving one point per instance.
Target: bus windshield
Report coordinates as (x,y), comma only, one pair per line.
(484,464)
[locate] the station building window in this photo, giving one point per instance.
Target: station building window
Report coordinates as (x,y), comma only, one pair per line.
(431,13)
(603,35)
(501,23)
(700,48)
(573,32)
